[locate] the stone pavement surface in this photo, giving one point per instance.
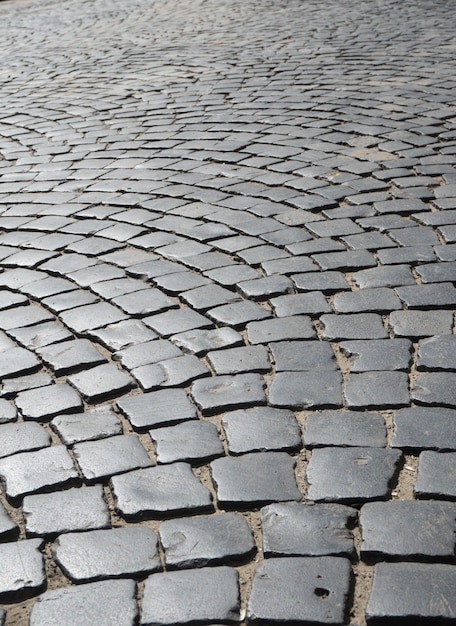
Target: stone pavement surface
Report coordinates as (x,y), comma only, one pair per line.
(227,293)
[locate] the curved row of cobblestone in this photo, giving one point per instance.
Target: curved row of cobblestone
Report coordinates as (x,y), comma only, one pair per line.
(227,293)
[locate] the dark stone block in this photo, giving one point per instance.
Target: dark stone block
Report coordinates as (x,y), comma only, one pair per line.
(293,529)
(306,390)
(351,260)
(423,428)
(301,356)
(276,329)
(70,356)
(265,288)
(123,334)
(147,353)
(206,540)
(351,474)
(21,569)
(355,326)
(209,296)
(255,478)
(93,424)
(437,272)
(436,475)
(238,314)
(378,355)
(300,591)
(224,392)
(370,300)
(157,408)
(8,529)
(145,302)
(160,491)
(238,360)
(345,428)
(377,390)
(432,296)
(437,353)
(386,276)
(170,373)
(112,553)
(170,598)
(190,441)
(92,316)
(327,282)
(176,321)
(201,341)
(421,323)
(312,303)
(435,389)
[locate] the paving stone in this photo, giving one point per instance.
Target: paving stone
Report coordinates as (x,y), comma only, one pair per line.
(232,274)
(312,303)
(432,296)
(289,265)
(345,428)
(69,300)
(157,408)
(44,402)
(254,478)
(437,353)
(69,356)
(98,554)
(101,381)
(377,355)
(294,529)
(176,321)
(238,314)
(165,490)
(437,272)
(429,598)
(424,427)
(147,353)
(436,475)
(421,323)
(201,341)
(209,296)
(123,334)
(28,472)
(22,569)
(8,412)
(93,424)
(409,254)
(112,455)
(300,590)
(21,437)
(377,390)
(9,299)
(65,511)
(144,302)
(261,429)
(39,335)
(171,372)
(348,261)
(23,316)
(169,598)
(12,386)
(193,441)
(206,540)
(353,326)
(265,288)
(8,529)
(327,282)
(387,276)
(306,390)
(351,474)
(302,356)
(435,389)
(81,605)
(238,360)
(17,361)
(408,529)
(92,316)
(225,392)
(371,300)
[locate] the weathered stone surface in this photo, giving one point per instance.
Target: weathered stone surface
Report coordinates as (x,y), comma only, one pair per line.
(377,390)
(21,569)
(302,356)
(422,428)
(435,389)
(192,441)
(437,353)
(45,402)
(436,475)
(224,392)
(300,590)
(169,598)
(306,390)
(421,323)
(293,529)
(93,424)
(378,354)
(70,356)
(201,341)
(345,428)
(17,361)
(157,408)
(84,605)
(21,437)
(356,326)
(277,329)
(101,382)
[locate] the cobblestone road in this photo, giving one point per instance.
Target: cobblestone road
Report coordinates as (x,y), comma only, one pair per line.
(227,267)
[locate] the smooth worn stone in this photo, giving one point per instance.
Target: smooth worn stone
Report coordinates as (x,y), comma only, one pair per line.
(377,390)
(206,540)
(65,511)
(351,474)
(13,386)
(354,326)
(265,288)
(345,428)
(112,455)
(145,302)
(101,381)
(409,254)
(386,276)
(8,412)
(435,389)
(432,296)
(181,281)
(302,356)
(377,355)
(91,317)
(84,605)
(9,299)
(424,428)
(289,265)
(199,342)
(437,272)
(300,590)
(312,303)
(21,569)
(18,361)
(429,599)
(176,321)
(28,472)
(261,429)
(282,328)
(327,282)
(93,424)
(306,390)
(160,491)
(238,360)
(408,529)
(437,353)
(209,296)
(45,402)
(255,478)
(21,437)
(379,300)
(146,353)
(238,314)
(193,441)
(116,552)
(436,475)
(123,334)
(169,598)
(23,316)
(70,356)
(224,392)
(8,529)
(421,323)
(38,335)
(157,408)
(174,372)
(350,260)
(294,529)
(232,274)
